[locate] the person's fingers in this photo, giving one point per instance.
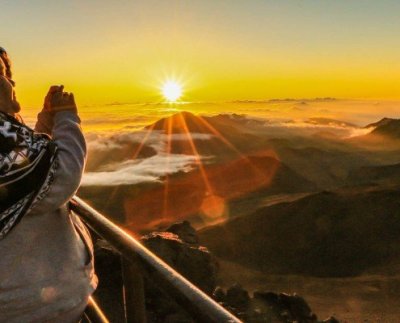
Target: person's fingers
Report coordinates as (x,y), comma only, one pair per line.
(61,101)
(54,88)
(68,99)
(49,98)
(57,96)
(71,99)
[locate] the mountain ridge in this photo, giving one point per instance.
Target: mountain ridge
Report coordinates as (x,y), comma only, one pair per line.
(386,127)
(332,233)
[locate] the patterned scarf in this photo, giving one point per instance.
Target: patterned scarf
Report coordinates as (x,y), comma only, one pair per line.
(28,161)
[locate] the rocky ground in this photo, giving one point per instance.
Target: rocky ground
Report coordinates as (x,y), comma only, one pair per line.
(368,298)
(179,247)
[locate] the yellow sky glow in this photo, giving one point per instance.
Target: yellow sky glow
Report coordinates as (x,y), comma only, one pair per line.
(231,50)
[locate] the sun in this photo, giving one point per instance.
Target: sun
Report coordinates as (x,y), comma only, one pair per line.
(172,91)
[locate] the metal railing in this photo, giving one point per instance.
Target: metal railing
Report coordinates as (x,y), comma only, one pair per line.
(139,261)
(93,313)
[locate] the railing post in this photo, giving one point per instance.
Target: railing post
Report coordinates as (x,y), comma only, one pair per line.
(133,292)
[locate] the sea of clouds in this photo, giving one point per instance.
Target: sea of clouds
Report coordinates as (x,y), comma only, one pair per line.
(110,127)
(139,170)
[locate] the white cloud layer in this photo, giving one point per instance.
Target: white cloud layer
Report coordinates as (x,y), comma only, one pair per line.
(140,171)
(156,139)
(304,127)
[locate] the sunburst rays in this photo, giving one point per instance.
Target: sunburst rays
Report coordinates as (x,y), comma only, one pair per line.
(213,203)
(168,128)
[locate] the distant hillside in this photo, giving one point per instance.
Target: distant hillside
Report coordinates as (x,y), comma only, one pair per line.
(382,136)
(386,127)
(380,123)
(186,121)
(202,195)
(387,174)
(339,233)
(181,123)
(205,195)
(326,167)
(243,163)
(229,134)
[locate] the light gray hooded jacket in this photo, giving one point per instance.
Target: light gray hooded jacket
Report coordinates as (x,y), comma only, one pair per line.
(46,261)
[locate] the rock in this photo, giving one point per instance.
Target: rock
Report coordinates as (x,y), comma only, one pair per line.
(291,308)
(180,249)
(237,297)
(269,297)
(296,305)
(192,261)
(185,232)
(219,295)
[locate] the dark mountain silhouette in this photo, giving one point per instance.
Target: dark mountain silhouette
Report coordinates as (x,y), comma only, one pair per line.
(380,123)
(386,127)
(386,174)
(228,134)
(181,123)
(340,233)
(186,121)
(384,136)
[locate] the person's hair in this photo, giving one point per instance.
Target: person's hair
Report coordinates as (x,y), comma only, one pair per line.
(5,72)
(3,68)
(6,61)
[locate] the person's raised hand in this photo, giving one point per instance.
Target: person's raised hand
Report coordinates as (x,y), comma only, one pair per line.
(57,100)
(47,100)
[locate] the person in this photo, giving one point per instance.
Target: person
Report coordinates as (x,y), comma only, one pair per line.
(46,254)
(8,100)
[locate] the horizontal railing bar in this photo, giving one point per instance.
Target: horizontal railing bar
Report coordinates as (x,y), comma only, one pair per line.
(94,313)
(199,305)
